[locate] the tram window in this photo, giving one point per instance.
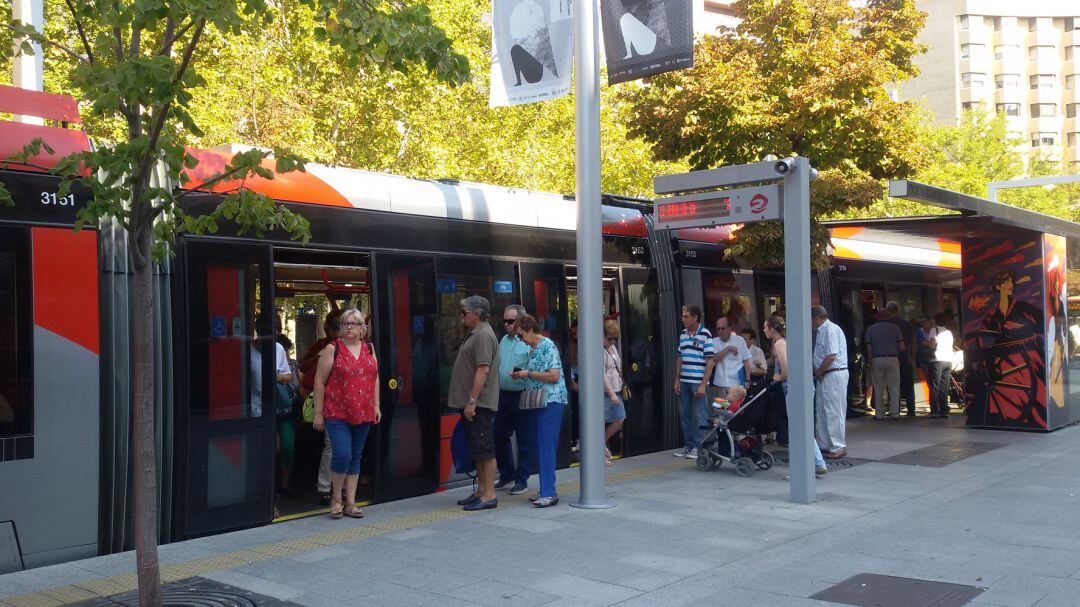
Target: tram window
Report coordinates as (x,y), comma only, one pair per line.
(730,296)
(457,279)
(16,399)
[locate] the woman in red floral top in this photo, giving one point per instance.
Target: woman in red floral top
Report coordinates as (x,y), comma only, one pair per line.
(346,405)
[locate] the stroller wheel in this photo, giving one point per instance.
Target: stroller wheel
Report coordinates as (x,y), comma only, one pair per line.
(717,462)
(744,466)
(766,461)
(703,462)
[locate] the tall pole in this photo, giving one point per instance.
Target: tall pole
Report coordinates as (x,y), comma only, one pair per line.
(589,261)
(28,70)
(800,396)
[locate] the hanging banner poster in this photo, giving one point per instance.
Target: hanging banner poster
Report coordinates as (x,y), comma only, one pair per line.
(531,51)
(643,38)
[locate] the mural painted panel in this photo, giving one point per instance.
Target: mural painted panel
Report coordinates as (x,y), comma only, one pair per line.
(1057,335)
(1004,332)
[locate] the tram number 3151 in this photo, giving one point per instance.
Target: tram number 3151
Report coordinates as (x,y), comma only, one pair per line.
(50,198)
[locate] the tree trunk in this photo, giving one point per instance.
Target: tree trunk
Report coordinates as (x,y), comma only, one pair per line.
(142,376)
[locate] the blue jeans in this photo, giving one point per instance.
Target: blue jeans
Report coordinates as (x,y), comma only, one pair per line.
(692,414)
(546,424)
(347,444)
(510,419)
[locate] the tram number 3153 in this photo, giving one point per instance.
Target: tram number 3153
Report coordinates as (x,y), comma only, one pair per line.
(50,198)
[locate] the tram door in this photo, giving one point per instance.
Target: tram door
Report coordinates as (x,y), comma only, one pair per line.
(407,336)
(230,400)
(642,365)
(544,295)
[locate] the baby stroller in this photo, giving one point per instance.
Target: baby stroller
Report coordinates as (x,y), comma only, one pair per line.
(733,437)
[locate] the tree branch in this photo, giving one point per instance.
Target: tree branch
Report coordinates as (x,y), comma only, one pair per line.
(225,176)
(43,40)
(82,32)
(146,212)
(171,38)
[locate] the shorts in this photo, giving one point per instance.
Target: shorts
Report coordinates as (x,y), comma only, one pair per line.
(479,434)
(614,410)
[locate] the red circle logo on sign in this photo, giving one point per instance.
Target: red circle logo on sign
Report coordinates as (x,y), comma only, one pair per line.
(758,204)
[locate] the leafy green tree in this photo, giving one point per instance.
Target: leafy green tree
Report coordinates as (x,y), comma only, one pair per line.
(134,62)
(795,77)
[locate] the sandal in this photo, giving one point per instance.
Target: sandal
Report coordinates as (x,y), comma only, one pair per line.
(354,512)
(336,511)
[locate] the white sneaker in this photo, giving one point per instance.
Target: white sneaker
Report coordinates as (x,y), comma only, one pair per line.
(682,452)
(691,454)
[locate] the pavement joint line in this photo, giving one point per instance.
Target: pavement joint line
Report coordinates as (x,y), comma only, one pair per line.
(126,582)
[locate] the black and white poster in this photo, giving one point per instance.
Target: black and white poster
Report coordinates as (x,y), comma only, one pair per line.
(646,37)
(531,51)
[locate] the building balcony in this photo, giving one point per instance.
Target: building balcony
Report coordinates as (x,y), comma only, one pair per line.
(1071,38)
(1013,95)
(1043,37)
(1045,95)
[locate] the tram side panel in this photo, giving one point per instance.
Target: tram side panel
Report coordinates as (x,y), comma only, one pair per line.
(49,472)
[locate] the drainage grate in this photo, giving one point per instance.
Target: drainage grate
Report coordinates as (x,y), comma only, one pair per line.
(941,455)
(872,590)
(783,458)
(194,591)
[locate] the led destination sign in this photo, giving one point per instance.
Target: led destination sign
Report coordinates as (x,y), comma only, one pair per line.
(742,205)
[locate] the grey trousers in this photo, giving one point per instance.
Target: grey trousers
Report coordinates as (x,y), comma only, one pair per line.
(885,374)
(831,401)
(324,466)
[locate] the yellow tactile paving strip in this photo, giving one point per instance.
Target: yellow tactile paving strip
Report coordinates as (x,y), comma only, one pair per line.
(117,584)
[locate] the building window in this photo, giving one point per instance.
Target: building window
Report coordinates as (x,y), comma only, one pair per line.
(1006,51)
(1041,53)
(1007,81)
(1042,81)
(1040,23)
(997,24)
(1009,109)
(1043,140)
(1031,24)
(1071,139)
(965,22)
(16,325)
(970,105)
(1070,82)
(967,50)
(1043,110)
(1070,53)
(1070,109)
(973,80)
(1072,23)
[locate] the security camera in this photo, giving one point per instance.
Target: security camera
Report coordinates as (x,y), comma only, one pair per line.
(783,166)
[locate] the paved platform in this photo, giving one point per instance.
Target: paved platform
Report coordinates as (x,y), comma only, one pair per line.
(995,510)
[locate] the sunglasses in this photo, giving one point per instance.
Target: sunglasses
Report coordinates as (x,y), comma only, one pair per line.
(509,321)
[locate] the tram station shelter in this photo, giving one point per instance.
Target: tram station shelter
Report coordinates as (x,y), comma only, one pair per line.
(1019,302)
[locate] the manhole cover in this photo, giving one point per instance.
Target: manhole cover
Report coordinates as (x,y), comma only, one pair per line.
(872,590)
(195,592)
(783,458)
(941,455)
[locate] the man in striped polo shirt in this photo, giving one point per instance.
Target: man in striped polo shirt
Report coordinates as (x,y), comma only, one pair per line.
(693,367)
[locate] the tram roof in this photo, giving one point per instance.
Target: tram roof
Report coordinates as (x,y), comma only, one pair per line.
(355,188)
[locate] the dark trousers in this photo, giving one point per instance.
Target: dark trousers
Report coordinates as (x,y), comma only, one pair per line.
(907,383)
(939,376)
(510,419)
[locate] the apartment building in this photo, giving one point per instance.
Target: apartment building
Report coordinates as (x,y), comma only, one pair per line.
(712,14)
(1021,59)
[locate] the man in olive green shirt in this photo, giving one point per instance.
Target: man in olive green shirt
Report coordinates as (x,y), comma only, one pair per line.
(474,388)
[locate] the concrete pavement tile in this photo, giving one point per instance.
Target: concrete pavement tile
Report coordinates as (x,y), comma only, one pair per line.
(1018,590)
(664,562)
(412,534)
(321,554)
(654,518)
(532,525)
(388,595)
(585,590)
(255,584)
(33,580)
(489,592)
(648,580)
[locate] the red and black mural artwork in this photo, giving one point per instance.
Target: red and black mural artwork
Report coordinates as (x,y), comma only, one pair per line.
(1004,332)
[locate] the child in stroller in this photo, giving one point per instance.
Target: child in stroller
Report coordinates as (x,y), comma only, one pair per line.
(734,435)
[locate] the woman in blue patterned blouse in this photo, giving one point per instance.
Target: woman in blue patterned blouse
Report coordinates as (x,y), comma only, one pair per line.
(544,371)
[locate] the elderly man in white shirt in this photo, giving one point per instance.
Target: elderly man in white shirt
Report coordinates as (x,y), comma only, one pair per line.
(732,355)
(831,382)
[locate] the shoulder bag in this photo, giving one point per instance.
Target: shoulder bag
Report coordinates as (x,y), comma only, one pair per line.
(308,412)
(626,393)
